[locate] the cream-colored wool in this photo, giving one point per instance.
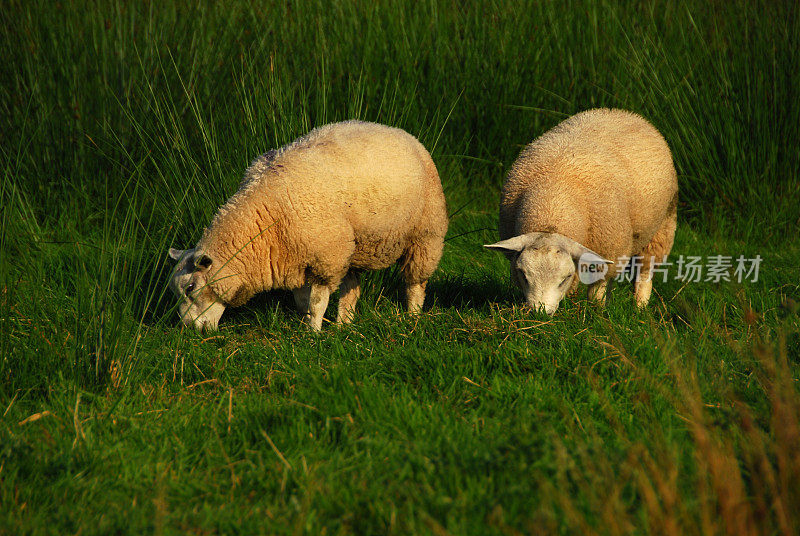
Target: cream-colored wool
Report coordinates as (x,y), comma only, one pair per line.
(603,182)
(310,216)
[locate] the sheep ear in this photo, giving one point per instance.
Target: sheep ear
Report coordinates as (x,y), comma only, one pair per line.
(591,257)
(581,253)
(176,254)
(516,244)
(202,262)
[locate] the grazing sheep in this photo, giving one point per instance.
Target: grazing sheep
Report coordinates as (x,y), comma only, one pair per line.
(600,185)
(310,216)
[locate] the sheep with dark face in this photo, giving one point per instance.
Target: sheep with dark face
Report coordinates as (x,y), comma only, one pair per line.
(311,216)
(598,187)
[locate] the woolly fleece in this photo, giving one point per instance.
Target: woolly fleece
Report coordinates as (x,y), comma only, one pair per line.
(346,197)
(603,178)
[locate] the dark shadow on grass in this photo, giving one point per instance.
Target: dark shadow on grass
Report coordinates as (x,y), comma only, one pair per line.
(461,292)
(449,291)
(258,304)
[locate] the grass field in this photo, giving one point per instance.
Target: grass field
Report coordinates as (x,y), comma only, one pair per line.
(123,126)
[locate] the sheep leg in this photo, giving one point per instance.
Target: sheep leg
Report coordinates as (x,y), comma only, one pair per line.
(349,292)
(597,291)
(421,260)
(318,302)
(415,296)
(312,300)
(654,252)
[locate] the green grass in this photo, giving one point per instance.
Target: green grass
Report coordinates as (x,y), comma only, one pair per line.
(124,126)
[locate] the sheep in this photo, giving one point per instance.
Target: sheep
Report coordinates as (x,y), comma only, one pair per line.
(600,185)
(309,217)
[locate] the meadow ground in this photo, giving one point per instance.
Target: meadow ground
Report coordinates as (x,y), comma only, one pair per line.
(125,125)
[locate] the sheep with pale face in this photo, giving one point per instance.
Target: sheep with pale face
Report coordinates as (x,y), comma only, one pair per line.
(544,266)
(197,303)
(597,188)
(310,217)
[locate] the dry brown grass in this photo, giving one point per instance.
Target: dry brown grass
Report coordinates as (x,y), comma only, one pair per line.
(745,473)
